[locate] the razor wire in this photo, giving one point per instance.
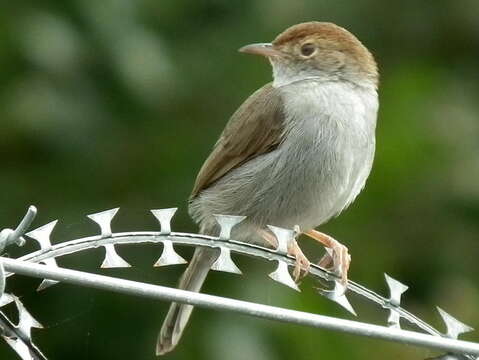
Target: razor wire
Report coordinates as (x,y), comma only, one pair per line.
(19,336)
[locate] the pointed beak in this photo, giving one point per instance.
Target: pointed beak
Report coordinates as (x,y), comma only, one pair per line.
(263,49)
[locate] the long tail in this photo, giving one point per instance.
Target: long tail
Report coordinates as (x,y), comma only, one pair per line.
(178,314)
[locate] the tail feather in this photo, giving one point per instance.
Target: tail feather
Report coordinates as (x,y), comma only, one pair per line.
(179,314)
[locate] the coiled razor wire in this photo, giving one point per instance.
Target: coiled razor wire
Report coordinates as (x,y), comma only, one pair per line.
(19,336)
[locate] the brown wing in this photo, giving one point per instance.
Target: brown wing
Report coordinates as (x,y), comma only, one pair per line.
(254,129)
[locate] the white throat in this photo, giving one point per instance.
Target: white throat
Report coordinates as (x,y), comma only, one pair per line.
(284,75)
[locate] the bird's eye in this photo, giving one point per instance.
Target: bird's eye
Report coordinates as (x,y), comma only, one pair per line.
(308,49)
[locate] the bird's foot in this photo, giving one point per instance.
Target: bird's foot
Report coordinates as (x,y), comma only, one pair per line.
(336,259)
(269,238)
(302,265)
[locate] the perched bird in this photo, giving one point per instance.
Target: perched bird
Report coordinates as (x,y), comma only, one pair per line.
(295,154)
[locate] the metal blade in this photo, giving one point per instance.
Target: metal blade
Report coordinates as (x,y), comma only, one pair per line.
(281,275)
(396,289)
(169,256)
(112,259)
(227,223)
(225,263)
(6,299)
(42,235)
(20,348)
(164,216)
(454,326)
(2,280)
(338,295)
(284,237)
(103,219)
(26,321)
(47,282)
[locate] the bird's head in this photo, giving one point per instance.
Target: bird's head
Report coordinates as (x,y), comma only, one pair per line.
(317,50)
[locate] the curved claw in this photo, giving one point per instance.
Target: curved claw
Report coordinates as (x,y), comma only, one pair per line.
(301,268)
(337,258)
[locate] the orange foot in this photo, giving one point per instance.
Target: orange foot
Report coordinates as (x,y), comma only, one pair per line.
(337,258)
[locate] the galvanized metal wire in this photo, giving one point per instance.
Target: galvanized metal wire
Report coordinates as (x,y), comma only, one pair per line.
(18,336)
(243,307)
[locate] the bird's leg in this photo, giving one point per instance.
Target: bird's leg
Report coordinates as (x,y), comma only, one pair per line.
(337,257)
(269,237)
(302,262)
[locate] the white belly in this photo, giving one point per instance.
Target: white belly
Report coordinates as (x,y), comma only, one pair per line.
(317,171)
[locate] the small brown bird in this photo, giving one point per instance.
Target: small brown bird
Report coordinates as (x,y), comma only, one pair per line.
(295,154)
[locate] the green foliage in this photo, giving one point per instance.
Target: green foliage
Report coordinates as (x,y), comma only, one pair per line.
(117,103)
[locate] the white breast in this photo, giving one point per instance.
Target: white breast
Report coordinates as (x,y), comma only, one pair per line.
(330,137)
(319,168)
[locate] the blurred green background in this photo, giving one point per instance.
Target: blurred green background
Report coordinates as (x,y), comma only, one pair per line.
(117,103)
